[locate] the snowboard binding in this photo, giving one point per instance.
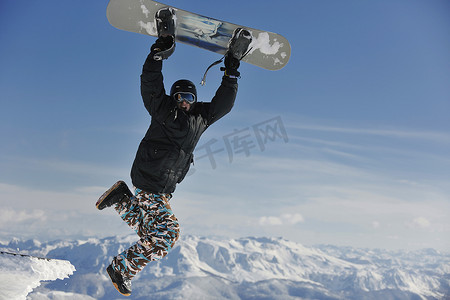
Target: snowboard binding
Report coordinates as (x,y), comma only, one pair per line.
(239,43)
(165,25)
(238,48)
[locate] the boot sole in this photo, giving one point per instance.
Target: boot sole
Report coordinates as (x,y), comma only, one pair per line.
(106,194)
(116,286)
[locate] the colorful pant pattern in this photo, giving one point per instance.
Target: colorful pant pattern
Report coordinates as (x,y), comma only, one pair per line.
(151,216)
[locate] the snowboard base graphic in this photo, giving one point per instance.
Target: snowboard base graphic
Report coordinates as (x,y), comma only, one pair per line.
(268,50)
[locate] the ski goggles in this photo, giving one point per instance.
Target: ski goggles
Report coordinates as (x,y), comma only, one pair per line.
(182,96)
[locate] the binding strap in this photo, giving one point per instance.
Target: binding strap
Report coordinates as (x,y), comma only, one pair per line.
(203,82)
(212,65)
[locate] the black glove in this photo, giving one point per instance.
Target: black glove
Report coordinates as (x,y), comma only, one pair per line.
(231,65)
(163,47)
(162,43)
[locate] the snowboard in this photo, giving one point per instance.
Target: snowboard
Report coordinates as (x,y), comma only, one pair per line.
(268,50)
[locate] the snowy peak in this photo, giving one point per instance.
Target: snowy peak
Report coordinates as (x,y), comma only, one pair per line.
(248,259)
(337,269)
(273,268)
(20,274)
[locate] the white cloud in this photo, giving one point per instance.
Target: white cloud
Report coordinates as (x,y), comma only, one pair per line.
(419,222)
(339,185)
(10,217)
(435,136)
(92,190)
(285,219)
(293,218)
(270,221)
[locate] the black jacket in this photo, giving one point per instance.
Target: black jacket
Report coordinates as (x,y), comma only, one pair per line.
(166,152)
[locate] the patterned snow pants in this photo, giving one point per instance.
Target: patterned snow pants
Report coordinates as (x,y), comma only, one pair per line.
(151,216)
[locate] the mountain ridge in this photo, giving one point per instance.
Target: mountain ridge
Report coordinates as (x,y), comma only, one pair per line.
(252,268)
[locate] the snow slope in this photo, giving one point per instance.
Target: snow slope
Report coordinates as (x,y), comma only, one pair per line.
(249,268)
(19,275)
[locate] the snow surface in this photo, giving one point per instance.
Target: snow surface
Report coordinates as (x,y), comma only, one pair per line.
(20,275)
(262,43)
(247,268)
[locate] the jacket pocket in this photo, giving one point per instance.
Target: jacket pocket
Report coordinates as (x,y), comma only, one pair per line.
(153,159)
(157,154)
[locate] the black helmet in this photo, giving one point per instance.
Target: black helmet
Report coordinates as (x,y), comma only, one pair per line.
(184,86)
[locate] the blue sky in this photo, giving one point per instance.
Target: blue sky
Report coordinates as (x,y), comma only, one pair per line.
(364,100)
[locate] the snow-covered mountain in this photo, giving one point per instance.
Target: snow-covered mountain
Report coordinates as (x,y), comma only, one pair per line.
(248,268)
(19,275)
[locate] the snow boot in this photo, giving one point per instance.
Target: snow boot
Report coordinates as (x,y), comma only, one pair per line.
(165,25)
(117,193)
(121,283)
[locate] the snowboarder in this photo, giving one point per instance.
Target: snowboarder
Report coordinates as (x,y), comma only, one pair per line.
(163,159)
